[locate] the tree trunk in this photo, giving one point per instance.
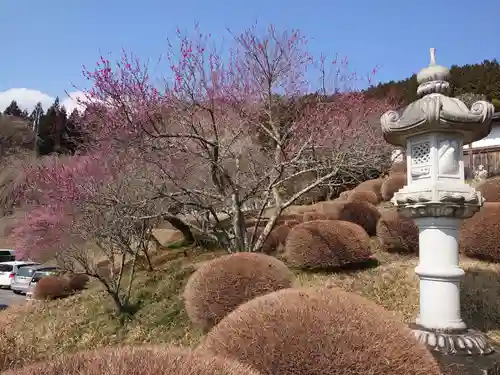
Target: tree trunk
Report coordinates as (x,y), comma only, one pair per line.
(238,223)
(148,258)
(182,227)
(130,280)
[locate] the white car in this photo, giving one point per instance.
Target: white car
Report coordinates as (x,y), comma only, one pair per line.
(8,271)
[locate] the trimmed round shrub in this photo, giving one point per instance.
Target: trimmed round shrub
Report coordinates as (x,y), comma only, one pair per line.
(391,185)
(292,223)
(78,281)
(325,244)
(364,214)
(52,287)
(330,209)
(311,216)
(397,233)
(276,239)
(372,185)
(345,195)
(363,196)
(319,331)
(398,168)
(480,234)
(490,189)
(219,286)
(283,219)
(138,360)
(297,209)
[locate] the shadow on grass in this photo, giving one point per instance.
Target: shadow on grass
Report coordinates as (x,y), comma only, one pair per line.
(350,268)
(480,298)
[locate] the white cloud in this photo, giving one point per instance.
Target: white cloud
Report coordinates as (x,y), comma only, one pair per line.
(71,101)
(27,99)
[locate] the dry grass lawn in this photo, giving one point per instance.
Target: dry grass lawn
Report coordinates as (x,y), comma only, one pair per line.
(42,329)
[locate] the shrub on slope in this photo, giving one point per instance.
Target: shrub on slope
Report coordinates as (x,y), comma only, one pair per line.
(222,284)
(319,331)
(325,244)
(480,234)
(391,185)
(397,233)
(136,361)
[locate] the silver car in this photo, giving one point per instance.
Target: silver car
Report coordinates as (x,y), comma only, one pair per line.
(21,281)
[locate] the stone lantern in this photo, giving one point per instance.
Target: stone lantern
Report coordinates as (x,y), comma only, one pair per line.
(433,130)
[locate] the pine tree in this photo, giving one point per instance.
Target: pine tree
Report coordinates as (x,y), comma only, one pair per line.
(37,112)
(50,129)
(13,110)
(73,136)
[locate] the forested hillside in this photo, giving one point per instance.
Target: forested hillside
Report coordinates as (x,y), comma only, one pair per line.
(478,79)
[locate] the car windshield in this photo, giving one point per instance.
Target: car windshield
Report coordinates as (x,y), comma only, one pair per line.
(6,268)
(25,271)
(37,276)
(41,274)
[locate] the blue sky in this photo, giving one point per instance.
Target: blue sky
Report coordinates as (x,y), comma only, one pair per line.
(44,43)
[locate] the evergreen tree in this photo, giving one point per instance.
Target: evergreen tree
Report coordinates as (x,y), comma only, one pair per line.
(50,129)
(57,132)
(13,110)
(481,79)
(73,136)
(37,112)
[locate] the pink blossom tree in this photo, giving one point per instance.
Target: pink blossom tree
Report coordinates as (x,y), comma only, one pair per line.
(197,138)
(84,211)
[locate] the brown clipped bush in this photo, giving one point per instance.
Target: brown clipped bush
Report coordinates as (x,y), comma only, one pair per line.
(490,189)
(52,287)
(345,195)
(285,218)
(326,244)
(319,331)
(372,185)
(276,239)
(480,235)
(397,233)
(311,216)
(141,360)
(330,209)
(397,168)
(364,214)
(219,286)
(292,223)
(78,281)
(391,185)
(363,196)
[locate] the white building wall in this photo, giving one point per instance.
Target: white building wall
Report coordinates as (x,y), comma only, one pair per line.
(492,139)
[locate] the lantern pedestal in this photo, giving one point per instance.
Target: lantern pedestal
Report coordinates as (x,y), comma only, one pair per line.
(439,274)
(433,130)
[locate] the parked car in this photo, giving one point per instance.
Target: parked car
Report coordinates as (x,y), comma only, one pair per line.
(7,255)
(37,276)
(8,271)
(23,277)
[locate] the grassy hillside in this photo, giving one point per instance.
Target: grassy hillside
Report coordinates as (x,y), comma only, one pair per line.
(41,329)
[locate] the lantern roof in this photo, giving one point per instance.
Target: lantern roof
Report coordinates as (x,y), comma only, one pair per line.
(435,111)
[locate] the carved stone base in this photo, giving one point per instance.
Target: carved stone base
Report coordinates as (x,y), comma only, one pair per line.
(469,342)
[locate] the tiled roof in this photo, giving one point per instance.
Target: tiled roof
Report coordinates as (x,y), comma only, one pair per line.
(496,117)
